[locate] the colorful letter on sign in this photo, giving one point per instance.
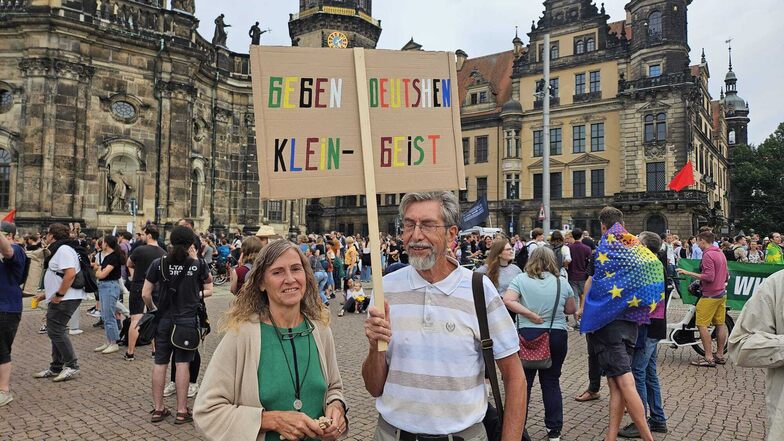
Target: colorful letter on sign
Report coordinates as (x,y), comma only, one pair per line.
(308,134)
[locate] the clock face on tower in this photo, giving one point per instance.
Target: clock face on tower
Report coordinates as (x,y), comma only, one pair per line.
(337,40)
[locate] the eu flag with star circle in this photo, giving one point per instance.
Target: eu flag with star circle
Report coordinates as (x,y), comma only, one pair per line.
(628,281)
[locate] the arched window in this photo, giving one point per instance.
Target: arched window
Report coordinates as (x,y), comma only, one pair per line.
(656,224)
(554,52)
(579,47)
(655,25)
(649,129)
(661,127)
(195,193)
(5,178)
(590,44)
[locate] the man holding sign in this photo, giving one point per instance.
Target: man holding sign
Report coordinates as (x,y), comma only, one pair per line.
(430,382)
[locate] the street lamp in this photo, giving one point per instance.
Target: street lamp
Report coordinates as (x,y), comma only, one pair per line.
(293,229)
(512,198)
(159,212)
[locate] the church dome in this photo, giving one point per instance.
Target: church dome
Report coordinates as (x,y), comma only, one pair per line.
(731,76)
(511,106)
(733,101)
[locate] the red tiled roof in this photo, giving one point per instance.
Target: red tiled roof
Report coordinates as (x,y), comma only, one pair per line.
(716,113)
(616,28)
(495,68)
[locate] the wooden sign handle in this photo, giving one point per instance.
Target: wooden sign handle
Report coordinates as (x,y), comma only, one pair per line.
(370,181)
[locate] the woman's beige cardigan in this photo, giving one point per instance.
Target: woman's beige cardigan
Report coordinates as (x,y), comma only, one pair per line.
(227,406)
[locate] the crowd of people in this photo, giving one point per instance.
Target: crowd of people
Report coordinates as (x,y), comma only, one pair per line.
(614,289)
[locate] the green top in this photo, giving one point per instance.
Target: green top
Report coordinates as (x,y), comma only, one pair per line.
(773,254)
(277,376)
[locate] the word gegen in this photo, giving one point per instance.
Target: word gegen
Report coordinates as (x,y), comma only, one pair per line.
(402,151)
(410,92)
(320,154)
(305,93)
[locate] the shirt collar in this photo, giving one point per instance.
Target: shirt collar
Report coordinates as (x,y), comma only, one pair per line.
(447,286)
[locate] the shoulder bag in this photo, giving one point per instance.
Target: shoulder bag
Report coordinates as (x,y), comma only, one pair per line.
(494,418)
(535,354)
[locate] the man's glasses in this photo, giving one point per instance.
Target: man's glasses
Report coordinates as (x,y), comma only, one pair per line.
(425,227)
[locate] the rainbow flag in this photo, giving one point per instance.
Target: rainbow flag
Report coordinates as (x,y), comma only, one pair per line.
(628,281)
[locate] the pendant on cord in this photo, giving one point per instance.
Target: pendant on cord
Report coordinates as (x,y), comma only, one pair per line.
(297,404)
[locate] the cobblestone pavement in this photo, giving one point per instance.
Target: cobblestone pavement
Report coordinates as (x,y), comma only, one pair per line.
(110,400)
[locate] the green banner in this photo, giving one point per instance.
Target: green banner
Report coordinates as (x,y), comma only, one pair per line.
(744,280)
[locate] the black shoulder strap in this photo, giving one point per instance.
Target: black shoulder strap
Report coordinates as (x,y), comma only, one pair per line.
(487,342)
(557,300)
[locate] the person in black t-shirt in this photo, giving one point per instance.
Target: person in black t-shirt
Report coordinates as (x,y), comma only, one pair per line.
(183,277)
(139,262)
(108,273)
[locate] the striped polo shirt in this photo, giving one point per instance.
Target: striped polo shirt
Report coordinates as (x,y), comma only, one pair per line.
(436,374)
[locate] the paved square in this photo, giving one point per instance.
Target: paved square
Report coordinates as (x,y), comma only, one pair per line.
(110,400)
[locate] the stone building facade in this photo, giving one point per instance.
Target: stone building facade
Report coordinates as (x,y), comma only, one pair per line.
(627,112)
(122,102)
(107,104)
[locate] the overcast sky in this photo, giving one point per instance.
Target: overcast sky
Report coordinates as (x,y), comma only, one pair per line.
(487,27)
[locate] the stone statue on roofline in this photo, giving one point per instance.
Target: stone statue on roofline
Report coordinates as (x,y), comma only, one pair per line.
(219,37)
(255,34)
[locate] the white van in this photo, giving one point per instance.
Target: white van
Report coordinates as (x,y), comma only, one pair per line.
(481,231)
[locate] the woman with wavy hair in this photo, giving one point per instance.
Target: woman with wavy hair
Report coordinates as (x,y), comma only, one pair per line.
(498,266)
(275,374)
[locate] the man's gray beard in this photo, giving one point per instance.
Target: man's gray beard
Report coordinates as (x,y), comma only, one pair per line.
(423,263)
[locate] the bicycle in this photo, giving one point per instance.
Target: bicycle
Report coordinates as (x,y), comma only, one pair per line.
(220,271)
(685,332)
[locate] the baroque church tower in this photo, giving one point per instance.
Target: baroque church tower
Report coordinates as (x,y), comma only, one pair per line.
(334,23)
(736,110)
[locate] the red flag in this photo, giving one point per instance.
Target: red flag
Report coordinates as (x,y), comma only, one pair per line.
(684,178)
(10,216)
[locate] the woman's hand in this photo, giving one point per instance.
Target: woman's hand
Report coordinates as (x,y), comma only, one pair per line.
(291,425)
(536,319)
(338,427)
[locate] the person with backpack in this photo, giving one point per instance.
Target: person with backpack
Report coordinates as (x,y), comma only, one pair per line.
(139,262)
(740,249)
(182,277)
(109,276)
(250,248)
(65,280)
(563,255)
(195,366)
(12,275)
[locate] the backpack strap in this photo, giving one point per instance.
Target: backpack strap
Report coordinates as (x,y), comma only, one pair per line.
(486,341)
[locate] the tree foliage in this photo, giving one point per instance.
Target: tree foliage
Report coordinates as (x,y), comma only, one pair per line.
(758,184)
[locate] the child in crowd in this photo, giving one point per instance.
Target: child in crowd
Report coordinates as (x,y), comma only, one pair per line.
(356,300)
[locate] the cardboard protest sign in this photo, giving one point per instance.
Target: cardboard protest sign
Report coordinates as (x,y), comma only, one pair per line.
(307,105)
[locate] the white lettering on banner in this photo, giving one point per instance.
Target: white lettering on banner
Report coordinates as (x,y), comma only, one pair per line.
(746,286)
